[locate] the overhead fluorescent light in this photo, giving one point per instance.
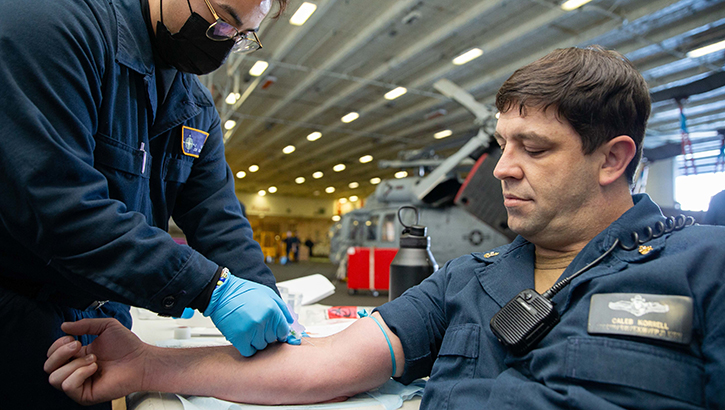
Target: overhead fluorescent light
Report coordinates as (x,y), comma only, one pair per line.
(354,198)
(253,168)
(336,218)
(231,98)
(350,117)
(288,149)
(230,124)
(262,192)
(401,174)
(469,55)
(442,134)
(707,49)
(302,14)
(258,68)
(498,115)
(395,93)
(314,136)
(317,175)
(272,189)
(241,174)
(342,200)
(300,180)
(353,185)
(573,4)
(375,180)
(330,189)
(365,159)
(339,167)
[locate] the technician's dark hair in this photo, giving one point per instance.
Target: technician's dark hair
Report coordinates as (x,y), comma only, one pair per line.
(599,92)
(282,5)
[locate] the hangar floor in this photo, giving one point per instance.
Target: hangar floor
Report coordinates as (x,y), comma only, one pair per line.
(318,265)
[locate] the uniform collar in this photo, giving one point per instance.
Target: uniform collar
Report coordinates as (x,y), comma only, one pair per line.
(134,45)
(506,270)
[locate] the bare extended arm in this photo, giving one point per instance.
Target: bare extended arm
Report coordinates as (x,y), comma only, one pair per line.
(352,361)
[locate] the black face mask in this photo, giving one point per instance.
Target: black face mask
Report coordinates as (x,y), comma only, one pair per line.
(190,50)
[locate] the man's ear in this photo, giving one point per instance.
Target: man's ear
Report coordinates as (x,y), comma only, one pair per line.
(618,153)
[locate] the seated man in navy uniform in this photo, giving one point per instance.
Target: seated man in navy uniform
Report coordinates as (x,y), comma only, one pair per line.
(640,321)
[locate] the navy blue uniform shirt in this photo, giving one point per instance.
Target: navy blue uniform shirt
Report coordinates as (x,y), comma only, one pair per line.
(443,325)
(92,164)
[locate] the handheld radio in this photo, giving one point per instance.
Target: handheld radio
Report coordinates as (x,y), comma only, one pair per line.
(524,321)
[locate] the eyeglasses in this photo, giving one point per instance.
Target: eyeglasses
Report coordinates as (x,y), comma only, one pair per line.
(222,31)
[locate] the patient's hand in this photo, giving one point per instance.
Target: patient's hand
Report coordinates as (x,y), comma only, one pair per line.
(110,367)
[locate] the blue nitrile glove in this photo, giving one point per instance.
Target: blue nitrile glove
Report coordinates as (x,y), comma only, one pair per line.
(294,340)
(248,314)
(188,314)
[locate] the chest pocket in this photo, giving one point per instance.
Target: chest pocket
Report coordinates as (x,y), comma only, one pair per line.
(127,170)
(627,365)
(120,157)
(459,352)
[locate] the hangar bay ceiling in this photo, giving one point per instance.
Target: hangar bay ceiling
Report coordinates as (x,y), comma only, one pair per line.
(350,53)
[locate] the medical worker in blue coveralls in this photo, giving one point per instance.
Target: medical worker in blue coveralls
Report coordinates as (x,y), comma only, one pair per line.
(107,133)
(642,326)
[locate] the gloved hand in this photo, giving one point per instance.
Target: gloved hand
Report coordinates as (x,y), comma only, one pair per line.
(248,314)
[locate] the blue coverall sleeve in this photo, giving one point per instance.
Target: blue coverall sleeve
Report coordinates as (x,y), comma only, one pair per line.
(209,213)
(418,317)
(54,203)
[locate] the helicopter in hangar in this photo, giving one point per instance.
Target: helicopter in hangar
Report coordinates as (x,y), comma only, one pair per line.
(462,216)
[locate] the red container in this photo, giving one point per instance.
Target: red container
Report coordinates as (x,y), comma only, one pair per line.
(369,271)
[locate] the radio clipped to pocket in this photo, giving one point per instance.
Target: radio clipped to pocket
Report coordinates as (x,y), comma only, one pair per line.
(524,321)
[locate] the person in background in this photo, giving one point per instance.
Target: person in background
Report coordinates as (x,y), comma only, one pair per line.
(309,244)
(107,134)
(640,323)
(292,246)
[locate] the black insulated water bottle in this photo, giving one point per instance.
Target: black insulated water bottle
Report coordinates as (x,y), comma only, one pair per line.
(414,262)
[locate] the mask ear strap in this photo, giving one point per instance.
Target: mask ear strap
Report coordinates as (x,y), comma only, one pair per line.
(161,9)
